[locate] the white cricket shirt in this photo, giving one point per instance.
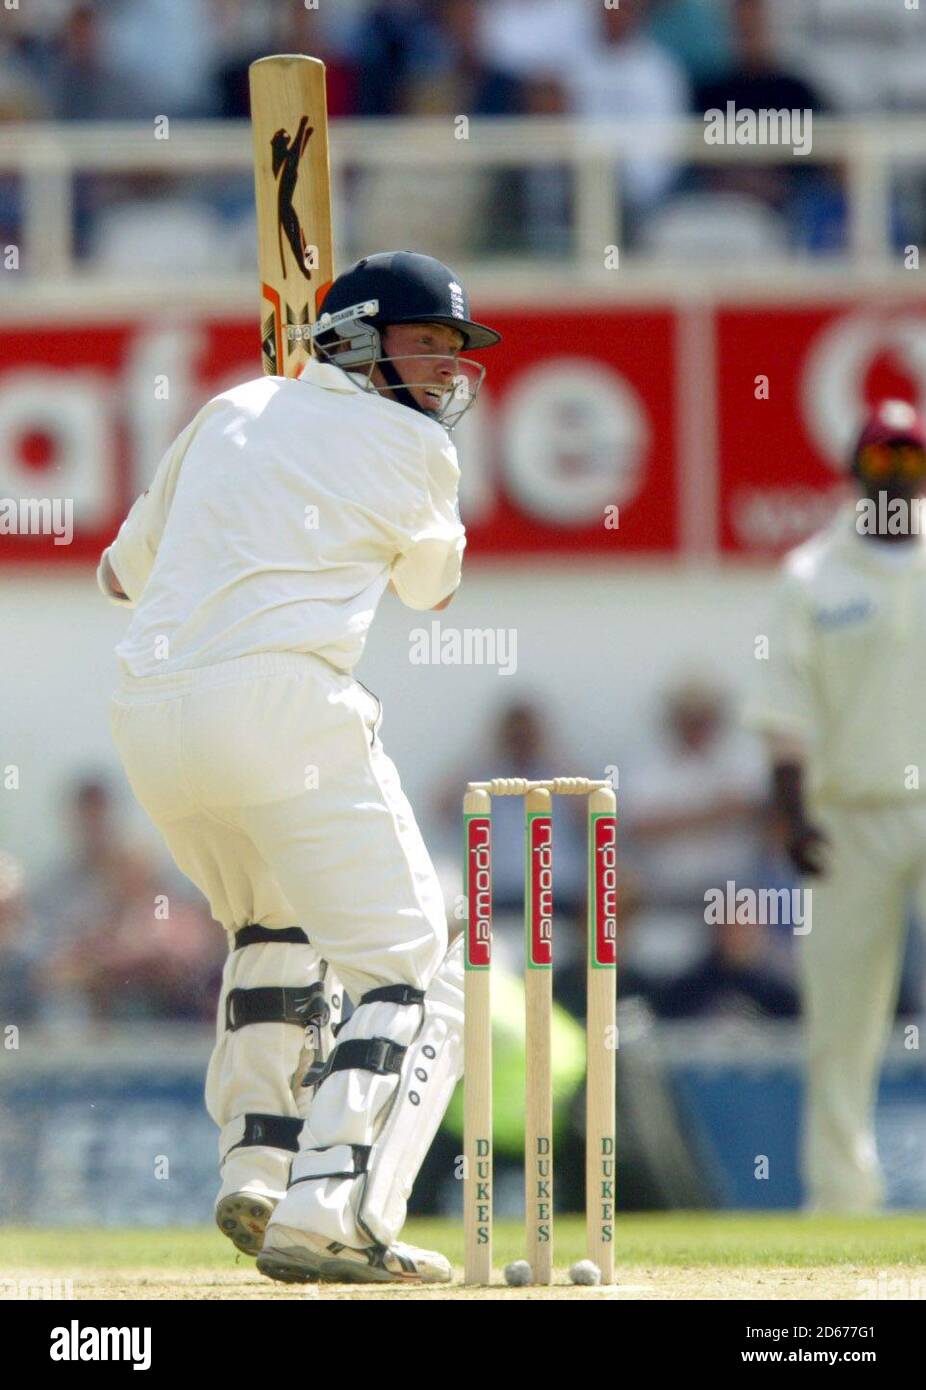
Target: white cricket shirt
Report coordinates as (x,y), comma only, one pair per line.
(276,520)
(846,670)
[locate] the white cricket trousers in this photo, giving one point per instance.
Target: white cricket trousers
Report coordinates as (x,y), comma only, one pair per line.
(266,777)
(850,965)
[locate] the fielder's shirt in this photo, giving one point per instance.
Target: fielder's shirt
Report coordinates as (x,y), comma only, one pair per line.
(276,521)
(846,670)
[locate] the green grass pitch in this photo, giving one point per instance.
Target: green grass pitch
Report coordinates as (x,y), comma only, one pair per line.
(724,1240)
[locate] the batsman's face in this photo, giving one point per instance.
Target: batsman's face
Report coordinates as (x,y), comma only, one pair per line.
(425,356)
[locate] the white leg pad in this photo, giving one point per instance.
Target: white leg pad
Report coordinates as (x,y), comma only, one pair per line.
(433,1066)
(257,1070)
(368,1133)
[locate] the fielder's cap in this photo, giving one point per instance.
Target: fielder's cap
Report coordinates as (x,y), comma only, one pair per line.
(893,422)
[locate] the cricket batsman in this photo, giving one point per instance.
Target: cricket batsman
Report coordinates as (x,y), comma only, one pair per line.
(841,704)
(254,565)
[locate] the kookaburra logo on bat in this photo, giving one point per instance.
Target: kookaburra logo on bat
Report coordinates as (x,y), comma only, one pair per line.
(287,151)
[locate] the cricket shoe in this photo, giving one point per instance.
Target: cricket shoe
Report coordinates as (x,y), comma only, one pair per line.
(294,1257)
(243,1217)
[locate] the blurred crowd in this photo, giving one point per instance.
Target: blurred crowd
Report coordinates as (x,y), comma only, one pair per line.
(86,60)
(128,59)
(694,816)
(113,934)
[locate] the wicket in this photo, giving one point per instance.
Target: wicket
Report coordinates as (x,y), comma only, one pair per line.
(600,1026)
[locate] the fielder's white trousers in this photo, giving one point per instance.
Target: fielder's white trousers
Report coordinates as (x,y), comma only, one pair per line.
(267,779)
(850,965)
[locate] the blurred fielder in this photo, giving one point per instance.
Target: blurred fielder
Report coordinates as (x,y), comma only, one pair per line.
(255,563)
(842,707)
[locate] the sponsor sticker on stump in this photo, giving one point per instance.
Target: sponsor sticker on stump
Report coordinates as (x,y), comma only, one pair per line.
(479,892)
(539,890)
(603,892)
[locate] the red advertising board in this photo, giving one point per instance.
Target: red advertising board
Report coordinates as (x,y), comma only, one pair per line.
(580,434)
(86,412)
(559,453)
(792,385)
(588,441)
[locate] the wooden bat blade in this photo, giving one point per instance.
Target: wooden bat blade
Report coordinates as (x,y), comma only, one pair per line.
(292,184)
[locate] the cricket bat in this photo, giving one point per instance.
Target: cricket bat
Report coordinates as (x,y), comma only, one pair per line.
(292,185)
